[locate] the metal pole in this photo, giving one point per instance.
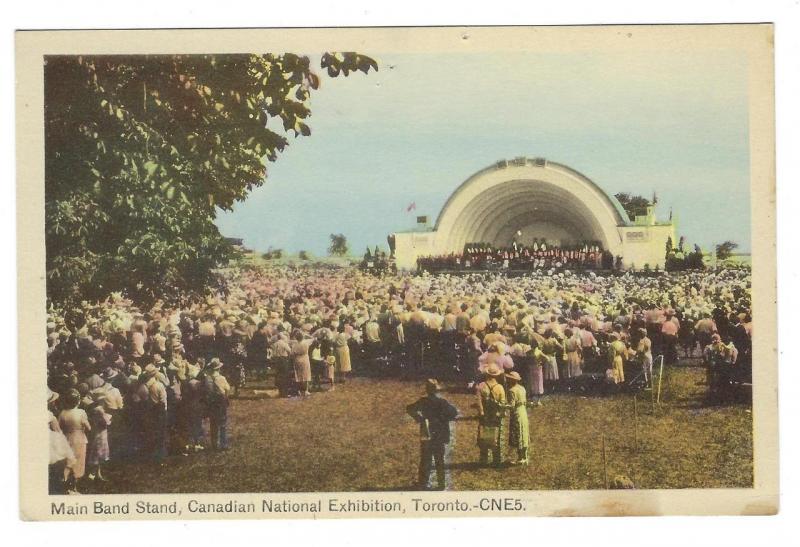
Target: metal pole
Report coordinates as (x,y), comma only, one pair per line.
(605,464)
(635,424)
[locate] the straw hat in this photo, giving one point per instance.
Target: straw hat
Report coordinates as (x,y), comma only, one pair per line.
(514,375)
(192,371)
(150,371)
(214,364)
(493,370)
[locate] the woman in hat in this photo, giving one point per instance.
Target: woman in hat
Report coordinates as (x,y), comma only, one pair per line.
(300,362)
(616,358)
(491,413)
(644,354)
(518,429)
(75,425)
(573,352)
(61,455)
(550,348)
(342,355)
(98,451)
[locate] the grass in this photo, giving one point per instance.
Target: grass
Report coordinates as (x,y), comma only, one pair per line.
(359,438)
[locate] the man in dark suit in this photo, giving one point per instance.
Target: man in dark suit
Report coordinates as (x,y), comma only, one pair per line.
(434,415)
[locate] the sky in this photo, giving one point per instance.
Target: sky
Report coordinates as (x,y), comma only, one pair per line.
(671,122)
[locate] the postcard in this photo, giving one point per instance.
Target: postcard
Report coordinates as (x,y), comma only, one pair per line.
(397,272)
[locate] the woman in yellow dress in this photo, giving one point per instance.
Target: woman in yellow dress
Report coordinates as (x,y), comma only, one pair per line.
(616,358)
(573,352)
(518,429)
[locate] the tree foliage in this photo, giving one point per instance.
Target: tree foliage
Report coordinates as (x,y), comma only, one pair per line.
(142,151)
(633,204)
(725,249)
(273,254)
(338,246)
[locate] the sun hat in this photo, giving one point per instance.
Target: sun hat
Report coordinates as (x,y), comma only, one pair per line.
(493,370)
(514,375)
(214,364)
(94,381)
(150,371)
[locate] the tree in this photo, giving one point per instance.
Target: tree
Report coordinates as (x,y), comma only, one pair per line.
(273,254)
(338,246)
(633,204)
(142,151)
(303,255)
(725,250)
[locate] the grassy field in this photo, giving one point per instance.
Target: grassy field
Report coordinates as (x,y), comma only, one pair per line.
(358,438)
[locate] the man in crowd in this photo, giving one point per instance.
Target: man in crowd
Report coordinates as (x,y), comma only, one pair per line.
(434,414)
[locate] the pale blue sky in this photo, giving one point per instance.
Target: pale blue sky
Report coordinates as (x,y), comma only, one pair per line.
(672,122)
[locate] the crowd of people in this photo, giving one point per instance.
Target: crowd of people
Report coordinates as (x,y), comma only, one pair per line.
(126,383)
(378,262)
(539,255)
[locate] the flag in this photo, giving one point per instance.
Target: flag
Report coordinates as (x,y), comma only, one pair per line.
(411,206)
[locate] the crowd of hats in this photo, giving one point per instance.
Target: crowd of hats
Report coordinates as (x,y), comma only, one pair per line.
(282,301)
(97,345)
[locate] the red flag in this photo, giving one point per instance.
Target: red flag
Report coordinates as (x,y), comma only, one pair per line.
(411,206)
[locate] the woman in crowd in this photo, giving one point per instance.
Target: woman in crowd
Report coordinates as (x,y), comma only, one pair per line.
(74,423)
(644,354)
(341,306)
(98,452)
(342,355)
(573,352)
(519,435)
(616,358)
(62,458)
(300,362)
(550,348)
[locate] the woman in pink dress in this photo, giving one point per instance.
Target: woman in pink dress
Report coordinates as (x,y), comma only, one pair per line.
(74,424)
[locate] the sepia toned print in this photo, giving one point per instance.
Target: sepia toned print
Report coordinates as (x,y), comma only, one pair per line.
(397,272)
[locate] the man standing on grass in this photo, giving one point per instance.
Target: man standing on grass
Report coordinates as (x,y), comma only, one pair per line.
(434,414)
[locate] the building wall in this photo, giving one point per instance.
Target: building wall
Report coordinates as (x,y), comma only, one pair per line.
(411,245)
(645,245)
